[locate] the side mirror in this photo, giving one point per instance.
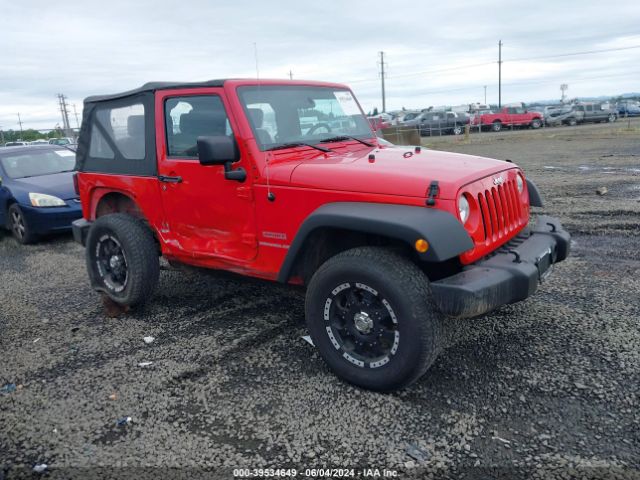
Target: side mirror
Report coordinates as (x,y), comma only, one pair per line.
(221,150)
(217,150)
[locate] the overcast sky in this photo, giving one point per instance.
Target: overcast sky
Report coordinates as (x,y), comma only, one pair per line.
(436,54)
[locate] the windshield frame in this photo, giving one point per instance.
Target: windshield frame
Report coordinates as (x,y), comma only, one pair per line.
(366,133)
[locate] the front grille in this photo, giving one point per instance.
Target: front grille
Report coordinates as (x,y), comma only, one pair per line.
(501,210)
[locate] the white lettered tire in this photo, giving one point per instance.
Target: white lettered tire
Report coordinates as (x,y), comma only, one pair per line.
(370,314)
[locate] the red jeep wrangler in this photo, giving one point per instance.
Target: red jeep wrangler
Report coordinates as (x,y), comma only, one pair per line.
(285,181)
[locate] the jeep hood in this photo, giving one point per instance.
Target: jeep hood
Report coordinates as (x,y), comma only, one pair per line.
(395,171)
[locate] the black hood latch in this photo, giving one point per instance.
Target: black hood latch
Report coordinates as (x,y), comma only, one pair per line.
(434,189)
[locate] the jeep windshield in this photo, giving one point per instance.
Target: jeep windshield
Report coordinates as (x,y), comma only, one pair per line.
(294,115)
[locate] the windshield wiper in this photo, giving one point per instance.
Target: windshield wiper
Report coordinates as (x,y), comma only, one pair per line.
(297,144)
(340,138)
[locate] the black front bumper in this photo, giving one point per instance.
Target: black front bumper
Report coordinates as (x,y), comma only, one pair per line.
(80,229)
(510,275)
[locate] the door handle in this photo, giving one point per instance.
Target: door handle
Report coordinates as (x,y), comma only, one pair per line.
(167,179)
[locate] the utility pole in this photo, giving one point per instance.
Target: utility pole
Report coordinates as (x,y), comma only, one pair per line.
(290,75)
(384,100)
(485,94)
(75,112)
(20,123)
(65,114)
(500,74)
(1,135)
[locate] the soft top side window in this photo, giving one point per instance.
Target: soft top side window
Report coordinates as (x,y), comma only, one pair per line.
(124,126)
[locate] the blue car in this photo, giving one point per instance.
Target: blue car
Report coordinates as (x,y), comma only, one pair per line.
(37,195)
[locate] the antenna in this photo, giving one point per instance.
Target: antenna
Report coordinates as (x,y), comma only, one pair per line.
(270,195)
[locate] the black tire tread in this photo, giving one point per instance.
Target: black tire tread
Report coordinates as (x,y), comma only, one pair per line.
(398,268)
(141,251)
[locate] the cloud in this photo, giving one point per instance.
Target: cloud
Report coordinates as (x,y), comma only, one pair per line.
(90,47)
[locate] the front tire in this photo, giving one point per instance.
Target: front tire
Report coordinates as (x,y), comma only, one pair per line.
(535,124)
(122,259)
(19,226)
(370,314)
(611,118)
(457,130)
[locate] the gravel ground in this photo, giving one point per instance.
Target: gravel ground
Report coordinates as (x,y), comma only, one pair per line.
(547,388)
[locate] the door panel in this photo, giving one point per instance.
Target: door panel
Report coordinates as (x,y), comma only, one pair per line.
(206,214)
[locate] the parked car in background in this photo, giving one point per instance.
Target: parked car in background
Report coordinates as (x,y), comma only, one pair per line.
(37,195)
(560,115)
(593,112)
(438,123)
(415,120)
(378,123)
(404,117)
(629,108)
(61,141)
(16,144)
(39,142)
(514,116)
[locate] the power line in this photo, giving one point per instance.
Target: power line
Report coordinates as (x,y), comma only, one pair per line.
(571,54)
(424,72)
(526,83)
(483,64)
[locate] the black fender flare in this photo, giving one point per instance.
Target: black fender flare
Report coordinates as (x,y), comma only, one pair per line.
(535,199)
(447,237)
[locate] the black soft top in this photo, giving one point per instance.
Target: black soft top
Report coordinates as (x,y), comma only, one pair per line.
(152,87)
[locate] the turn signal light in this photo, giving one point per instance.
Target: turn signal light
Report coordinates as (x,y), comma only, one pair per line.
(422,245)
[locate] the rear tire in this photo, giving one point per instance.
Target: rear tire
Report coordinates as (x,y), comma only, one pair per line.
(369,312)
(496,126)
(19,226)
(572,122)
(122,259)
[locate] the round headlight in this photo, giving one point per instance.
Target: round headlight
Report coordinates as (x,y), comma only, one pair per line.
(463,209)
(520,183)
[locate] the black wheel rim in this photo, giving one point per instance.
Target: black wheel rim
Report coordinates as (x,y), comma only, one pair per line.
(17,224)
(112,263)
(361,325)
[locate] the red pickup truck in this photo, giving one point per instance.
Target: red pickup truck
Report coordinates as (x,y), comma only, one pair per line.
(286,181)
(508,117)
